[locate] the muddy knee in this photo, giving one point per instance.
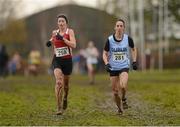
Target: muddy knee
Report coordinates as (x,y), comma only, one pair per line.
(59,84)
(116,93)
(123,86)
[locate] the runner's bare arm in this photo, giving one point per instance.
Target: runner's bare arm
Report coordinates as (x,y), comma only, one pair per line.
(105,57)
(54,32)
(72,41)
(52,35)
(134,54)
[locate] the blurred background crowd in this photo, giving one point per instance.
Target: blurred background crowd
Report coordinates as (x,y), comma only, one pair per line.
(25,26)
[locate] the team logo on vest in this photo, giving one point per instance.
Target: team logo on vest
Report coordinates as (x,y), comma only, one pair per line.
(119,49)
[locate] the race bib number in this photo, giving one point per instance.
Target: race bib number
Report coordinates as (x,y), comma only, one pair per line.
(62,51)
(119,56)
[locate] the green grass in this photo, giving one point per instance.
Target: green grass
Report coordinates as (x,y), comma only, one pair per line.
(153,97)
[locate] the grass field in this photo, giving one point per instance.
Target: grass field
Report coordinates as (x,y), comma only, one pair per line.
(154,98)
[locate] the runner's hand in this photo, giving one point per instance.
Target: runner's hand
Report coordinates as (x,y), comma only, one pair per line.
(108,67)
(48,44)
(59,37)
(134,65)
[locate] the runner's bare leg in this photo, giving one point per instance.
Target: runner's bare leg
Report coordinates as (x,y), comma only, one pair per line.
(59,88)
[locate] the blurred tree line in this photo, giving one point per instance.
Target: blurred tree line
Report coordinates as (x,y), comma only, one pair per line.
(116,6)
(13,32)
(174,8)
(7,12)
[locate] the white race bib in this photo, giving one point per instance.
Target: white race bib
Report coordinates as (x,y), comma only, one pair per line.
(119,56)
(63,51)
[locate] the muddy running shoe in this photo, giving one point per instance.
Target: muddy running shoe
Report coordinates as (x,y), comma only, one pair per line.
(65,104)
(125,105)
(59,112)
(91,82)
(120,111)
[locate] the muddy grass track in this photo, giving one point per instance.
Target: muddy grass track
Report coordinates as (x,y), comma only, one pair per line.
(153,97)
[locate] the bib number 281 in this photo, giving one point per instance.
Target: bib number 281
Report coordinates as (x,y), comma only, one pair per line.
(119,56)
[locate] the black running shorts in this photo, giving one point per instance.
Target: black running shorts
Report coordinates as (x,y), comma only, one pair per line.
(64,64)
(117,73)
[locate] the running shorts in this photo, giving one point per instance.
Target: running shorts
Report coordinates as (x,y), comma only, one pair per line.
(117,73)
(64,64)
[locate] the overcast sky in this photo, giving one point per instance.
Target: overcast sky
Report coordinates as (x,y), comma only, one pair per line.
(33,6)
